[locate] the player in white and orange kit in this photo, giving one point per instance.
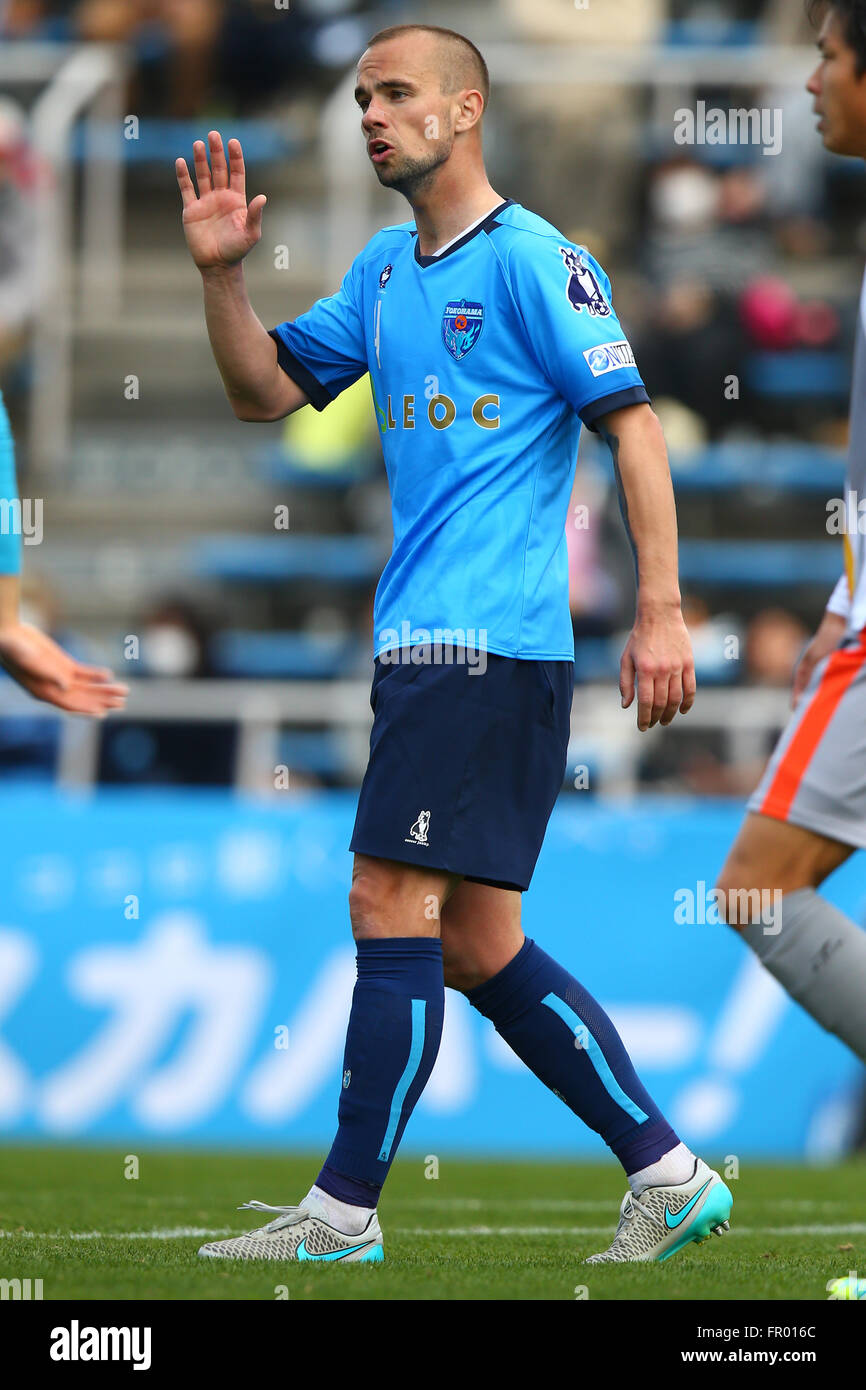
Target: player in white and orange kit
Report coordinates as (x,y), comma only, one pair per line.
(808,814)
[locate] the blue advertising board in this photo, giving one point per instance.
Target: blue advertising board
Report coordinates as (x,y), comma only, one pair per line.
(178,967)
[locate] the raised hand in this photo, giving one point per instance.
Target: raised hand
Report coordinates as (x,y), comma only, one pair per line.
(218,225)
(43,668)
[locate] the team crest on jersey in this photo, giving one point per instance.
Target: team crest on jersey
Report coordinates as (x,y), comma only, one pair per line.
(461,327)
(385,276)
(583,289)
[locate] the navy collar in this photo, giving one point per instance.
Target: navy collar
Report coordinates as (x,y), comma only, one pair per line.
(487,225)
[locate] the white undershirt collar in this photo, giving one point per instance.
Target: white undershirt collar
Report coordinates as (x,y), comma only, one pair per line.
(471,227)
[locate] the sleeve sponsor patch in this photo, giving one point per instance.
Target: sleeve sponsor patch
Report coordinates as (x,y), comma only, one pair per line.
(609,357)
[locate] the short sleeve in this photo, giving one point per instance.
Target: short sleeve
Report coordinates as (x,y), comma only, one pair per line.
(324,350)
(839,601)
(564,299)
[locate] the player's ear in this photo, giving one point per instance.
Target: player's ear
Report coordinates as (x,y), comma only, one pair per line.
(471,110)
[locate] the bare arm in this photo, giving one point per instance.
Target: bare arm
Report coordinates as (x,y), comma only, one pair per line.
(658,655)
(45,670)
(256,386)
(220,230)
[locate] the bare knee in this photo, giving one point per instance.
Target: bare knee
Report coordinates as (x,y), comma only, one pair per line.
(768,859)
(362,908)
(370,899)
(741,899)
(737,892)
(391,899)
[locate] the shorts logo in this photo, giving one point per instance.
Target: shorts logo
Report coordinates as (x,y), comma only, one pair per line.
(609,357)
(461,327)
(385,276)
(583,289)
(418,833)
(347,1077)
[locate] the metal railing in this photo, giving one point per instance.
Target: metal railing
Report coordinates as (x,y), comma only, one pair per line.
(745,716)
(78,79)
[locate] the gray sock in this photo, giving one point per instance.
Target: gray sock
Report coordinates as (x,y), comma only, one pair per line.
(820,957)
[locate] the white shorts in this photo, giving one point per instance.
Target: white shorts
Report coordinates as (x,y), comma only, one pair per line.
(816,777)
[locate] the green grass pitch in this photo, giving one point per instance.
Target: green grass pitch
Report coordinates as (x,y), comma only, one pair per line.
(481,1230)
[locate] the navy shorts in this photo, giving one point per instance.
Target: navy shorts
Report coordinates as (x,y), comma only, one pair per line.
(465,767)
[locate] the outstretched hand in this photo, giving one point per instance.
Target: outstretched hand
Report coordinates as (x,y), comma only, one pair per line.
(218,225)
(47,672)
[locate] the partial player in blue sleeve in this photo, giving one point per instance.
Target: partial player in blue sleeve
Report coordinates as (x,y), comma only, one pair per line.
(10,535)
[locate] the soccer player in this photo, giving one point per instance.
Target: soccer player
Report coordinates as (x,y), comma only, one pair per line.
(488,337)
(808,813)
(29,656)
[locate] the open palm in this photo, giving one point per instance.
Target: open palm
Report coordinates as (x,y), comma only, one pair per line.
(47,672)
(218,225)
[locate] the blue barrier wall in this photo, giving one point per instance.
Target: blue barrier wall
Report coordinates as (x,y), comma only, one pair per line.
(178,968)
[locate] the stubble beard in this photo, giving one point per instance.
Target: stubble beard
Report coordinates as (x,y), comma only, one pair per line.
(412,177)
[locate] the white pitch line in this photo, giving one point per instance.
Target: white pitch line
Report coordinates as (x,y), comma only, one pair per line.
(170,1233)
(187,1232)
(853,1228)
(485,1203)
(856,1228)
(586,1203)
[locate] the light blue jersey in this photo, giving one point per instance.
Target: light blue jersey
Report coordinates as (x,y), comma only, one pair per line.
(483,361)
(10,537)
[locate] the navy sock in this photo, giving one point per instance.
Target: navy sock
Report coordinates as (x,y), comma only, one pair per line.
(393,1039)
(567,1039)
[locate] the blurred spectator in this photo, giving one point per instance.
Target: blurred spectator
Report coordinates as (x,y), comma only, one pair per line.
(561,21)
(706,223)
(691,345)
(175,640)
(174,43)
(715,642)
(775,319)
(266,51)
(774,642)
(38,19)
(593,594)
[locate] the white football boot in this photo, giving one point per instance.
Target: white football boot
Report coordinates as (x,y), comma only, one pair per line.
(295,1234)
(662,1220)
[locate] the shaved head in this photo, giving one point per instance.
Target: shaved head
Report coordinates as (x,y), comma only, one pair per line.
(459,63)
(422,93)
